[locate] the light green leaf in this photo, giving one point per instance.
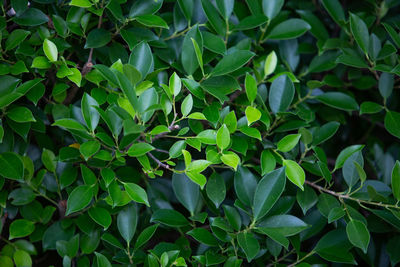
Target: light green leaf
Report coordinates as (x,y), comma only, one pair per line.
(295,173)
(252,115)
(140,149)
(136,193)
(288,142)
(270,64)
(251,87)
(50,50)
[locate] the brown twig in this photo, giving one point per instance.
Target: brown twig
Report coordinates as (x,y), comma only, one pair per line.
(160,164)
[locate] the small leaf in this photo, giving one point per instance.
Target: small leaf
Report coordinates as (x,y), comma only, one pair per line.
(20,114)
(270,64)
(21,228)
(79,198)
(288,142)
(216,189)
(127,222)
(251,87)
(358,234)
(392,123)
(252,115)
(187,105)
(232,62)
(295,173)
(223,137)
(289,29)
(338,100)
(281,94)
(100,216)
(360,32)
(136,193)
(50,50)
(139,149)
(169,217)
(231,159)
(249,244)
(396,180)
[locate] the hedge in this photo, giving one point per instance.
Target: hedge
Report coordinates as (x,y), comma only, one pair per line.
(199,133)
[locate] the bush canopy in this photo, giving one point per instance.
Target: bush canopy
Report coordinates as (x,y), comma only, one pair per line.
(199,133)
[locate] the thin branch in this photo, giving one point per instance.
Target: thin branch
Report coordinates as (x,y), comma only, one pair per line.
(160,164)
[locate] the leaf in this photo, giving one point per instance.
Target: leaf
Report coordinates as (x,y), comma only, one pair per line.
(386,83)
(88,149)
(306,199)
(396,180)
(143,7)
(189,57)
(199,54)
(334,246)
(102,261)
(252,115)
(360,32)
(345,154)
(89,112)
(81,3)
(20,114)
(69,124)
(11,166)
(325,132)
(151,21)
(271,8)
(251,88)
(338,100)
(136,193)
(21,228)
(358,234)
(288,142)
(142,58)
(145,235)
(216,189)
(249,244)
(231,159)
(50,50)
(281,94)
(232,62)
(223,137)
(213,17)
(203,236)
(268,191)
(127,222)
(49,160)
(187,105)
(295,173)
(335,9)
(100,216)
(289,29)
(15,38)
(245,184)
(268,162)
(270,63)
(79,198)
(286,225)
(97,38)
(169,217)
(186,191)
(139,149)
(392,123)
(31,17)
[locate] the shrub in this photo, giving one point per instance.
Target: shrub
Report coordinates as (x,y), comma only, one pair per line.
(199,133)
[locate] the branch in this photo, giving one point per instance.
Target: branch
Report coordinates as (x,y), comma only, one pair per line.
(160,164)
(346,196)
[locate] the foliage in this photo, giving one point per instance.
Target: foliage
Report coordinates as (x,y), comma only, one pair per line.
(199,132)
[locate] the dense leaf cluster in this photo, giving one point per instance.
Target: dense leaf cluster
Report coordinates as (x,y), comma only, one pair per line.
(199,133)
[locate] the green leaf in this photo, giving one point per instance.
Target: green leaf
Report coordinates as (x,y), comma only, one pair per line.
(370,108)
(198,165)
(69,124)
(102,261)
(335,9)
(20,114)
(325,132)
(189,57)
(268,162)
(21,228)
(232,62)
(286,225)
(386,83)
(245,183)
(338,100)
(281,94)
(360,32)
(252,115)
(213,17)
(289,29)
(216,189)
(50,50)
(251,88)
(288,142)
(345,154)
(79,198)
(143,7)
(270,63)
(306,199)
(169,217)
(89,148)
(127,221)
(145,235)
(15,38)
(271,8)
(49,160)
(81,3)
(31,17)
(97,38)
(231,159)
(22,259)
(136,193)
(268,191)
(396,180)
(139,149)
(199,54)
(186,191)
(100,216)
(90,114)
(358,234)
(249,244)
(142,58)
(40,62)
(295,173)
(223,137)
(187,105)
(392,123)
(151,21)
(203,236)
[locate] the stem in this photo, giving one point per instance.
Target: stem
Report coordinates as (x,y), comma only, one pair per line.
(302,259)
(346,196)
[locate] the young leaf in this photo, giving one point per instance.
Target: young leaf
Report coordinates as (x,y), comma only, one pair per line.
(251,87)
(295,173)
(223,137)
(288,142)
(50,50)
